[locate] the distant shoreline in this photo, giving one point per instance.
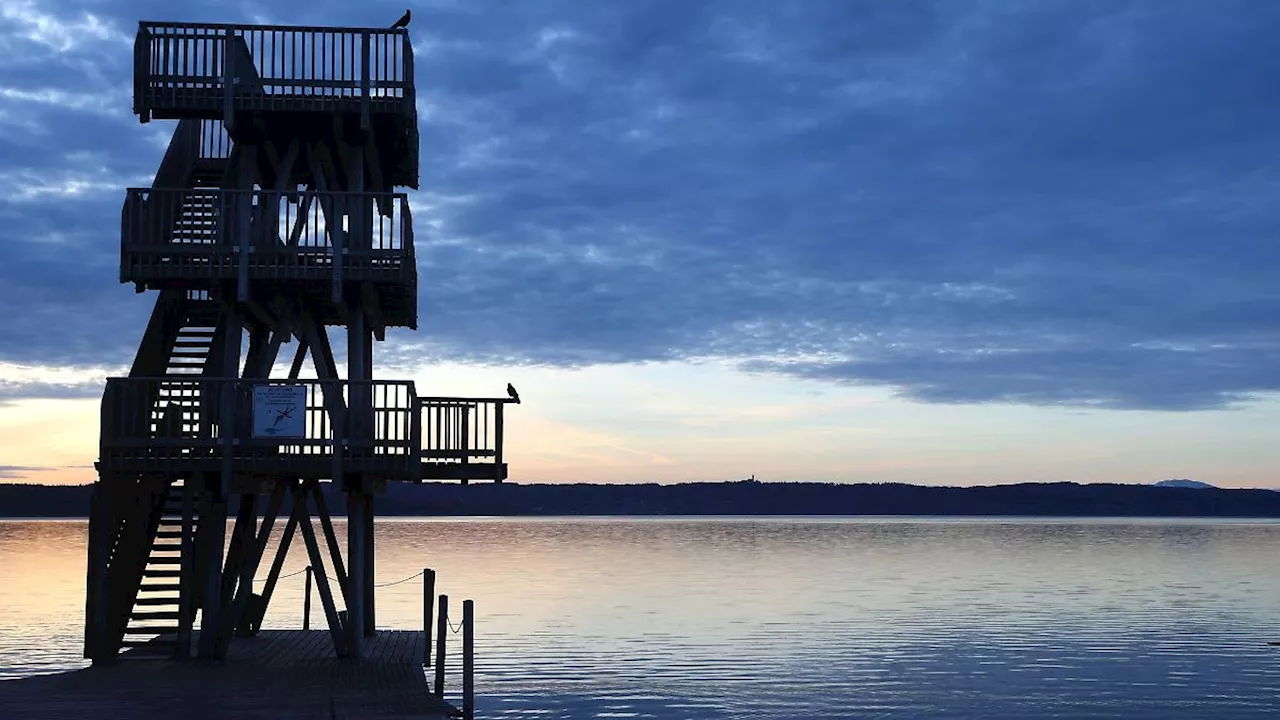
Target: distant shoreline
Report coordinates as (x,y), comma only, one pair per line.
(751,499)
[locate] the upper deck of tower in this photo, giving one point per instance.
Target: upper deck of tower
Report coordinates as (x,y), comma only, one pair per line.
(280,79)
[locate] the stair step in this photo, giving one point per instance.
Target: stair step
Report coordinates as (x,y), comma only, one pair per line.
(167,547)
(169,560)
(160,587)
(151,630)
(191,343)
(158,644)
(154,615)
(161,573)
(201,353)
(167,600)
(168,533)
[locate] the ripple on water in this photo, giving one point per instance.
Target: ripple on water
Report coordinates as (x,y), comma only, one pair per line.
(786,618)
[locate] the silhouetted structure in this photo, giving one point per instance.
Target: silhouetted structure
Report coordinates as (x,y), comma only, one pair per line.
(272,219)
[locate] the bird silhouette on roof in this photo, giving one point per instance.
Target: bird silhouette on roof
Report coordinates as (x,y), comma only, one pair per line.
(403,22)
(511,390)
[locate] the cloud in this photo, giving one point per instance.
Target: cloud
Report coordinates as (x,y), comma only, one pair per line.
(20,472)
(1044,202)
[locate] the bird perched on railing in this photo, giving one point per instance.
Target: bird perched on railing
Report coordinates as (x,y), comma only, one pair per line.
(403,22)
(511,390)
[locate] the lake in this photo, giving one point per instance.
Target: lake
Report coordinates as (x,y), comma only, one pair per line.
(791,617)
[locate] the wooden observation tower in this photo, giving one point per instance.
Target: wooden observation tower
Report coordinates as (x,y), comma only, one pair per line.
(273,219)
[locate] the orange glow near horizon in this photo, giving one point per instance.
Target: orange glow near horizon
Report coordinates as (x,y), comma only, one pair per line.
(679,422)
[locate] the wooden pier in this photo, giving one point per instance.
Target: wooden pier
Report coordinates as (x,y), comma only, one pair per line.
(277,674)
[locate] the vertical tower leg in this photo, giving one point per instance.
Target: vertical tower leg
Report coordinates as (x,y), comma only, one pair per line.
(356,575)
(213,531)
(218,485)
(369,616)
(96,595)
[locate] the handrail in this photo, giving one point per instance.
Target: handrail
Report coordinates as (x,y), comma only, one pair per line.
(189,66)
(166,24)
(172,218)
(504,400)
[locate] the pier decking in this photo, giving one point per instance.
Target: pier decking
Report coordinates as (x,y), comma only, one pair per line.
(277,674)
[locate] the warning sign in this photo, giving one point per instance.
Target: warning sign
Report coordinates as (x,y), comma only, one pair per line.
(279,411)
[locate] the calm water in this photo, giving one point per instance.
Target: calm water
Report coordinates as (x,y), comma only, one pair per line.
(783,618)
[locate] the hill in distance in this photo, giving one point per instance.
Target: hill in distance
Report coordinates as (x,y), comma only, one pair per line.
(1188,484)
(750,498)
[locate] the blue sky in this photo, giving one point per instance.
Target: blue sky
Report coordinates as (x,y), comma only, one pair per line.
(938,242)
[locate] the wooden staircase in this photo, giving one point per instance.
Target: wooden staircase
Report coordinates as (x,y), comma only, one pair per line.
(154,621)
(197,224)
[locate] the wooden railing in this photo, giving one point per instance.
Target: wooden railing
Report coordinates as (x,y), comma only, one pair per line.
(215,144)
(462,430)
(184,67)
(215,233)
(159,420)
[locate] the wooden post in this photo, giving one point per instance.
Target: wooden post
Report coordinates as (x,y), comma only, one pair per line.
(365,122)
(468,660)
(213,529)
(278,563)
(306,602)
(322,582)
(370,617)
(356,532)
(442,626)
(497,436)
(101,529)
(330,537)
(428,606)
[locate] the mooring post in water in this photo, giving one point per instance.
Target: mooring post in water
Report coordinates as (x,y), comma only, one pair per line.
(306,602)
(468,660)
(442,626)
(428,605)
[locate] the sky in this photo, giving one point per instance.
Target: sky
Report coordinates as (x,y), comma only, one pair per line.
(941,242)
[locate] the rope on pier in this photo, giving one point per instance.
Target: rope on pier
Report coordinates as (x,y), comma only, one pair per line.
(282,577)
(455,630)
(332,579)
(397,582)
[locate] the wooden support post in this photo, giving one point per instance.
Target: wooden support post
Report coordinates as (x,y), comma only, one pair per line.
(97,597)
(213,530)
(468,660)
(365,122)
(497,437)
(278,563)
(370,617)
(442,627)
(306,601)
(248,171)
(228,80)
(331,539)
(241,541)
(299,356)
(356,531)
(239,616)
(338,233)
(428,607)
(336,631)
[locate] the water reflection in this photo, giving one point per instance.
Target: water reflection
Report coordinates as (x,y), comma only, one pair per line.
(778,618)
